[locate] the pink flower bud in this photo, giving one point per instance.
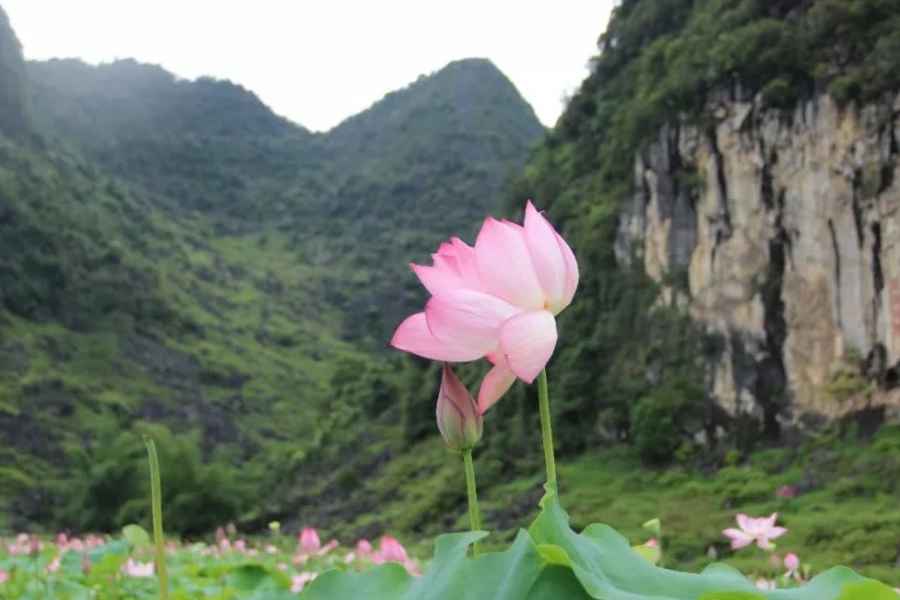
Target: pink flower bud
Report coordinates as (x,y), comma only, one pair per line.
(85,564)
(54,565)
(457,413)
(785,492)
(791,562)
(392,550)
(309,539)
(364,547)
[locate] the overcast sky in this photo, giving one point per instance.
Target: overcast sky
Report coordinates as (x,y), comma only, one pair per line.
(318,62)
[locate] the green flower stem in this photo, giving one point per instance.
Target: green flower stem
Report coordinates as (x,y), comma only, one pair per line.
(546,429)
(474,515)
(156,494)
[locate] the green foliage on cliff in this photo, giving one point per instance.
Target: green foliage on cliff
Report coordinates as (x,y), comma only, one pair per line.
(659,63)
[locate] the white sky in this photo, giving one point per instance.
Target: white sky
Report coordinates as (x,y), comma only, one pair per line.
(320,61)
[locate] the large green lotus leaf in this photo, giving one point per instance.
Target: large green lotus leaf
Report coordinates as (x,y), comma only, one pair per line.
(609,569)
(518,573)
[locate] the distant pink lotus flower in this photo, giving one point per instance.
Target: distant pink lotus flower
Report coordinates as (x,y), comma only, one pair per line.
(329,547)
(786,492)
(281,566)
(54,565)
(85,564)
(497,300)
(4,576)
(765,584)
(391,550)
(309,539)
(364,547)
(137,569)
(299,581)
(240,545)
(270,549)
(652,542)
(792,564)
(760,530)
(34,545)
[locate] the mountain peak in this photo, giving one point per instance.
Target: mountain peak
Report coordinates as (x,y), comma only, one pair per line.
(466,97)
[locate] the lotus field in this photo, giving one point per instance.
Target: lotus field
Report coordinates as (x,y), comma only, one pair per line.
(497,301)
(98,567)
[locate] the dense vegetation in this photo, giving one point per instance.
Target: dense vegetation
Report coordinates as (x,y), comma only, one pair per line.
(629,369)
(176,257)
(173,256)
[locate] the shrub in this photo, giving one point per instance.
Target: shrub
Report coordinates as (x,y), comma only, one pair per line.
(653,430)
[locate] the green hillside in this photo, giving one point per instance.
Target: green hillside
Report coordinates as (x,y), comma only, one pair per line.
(177,257)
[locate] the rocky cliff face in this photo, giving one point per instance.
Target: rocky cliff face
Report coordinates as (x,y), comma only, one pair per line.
(781,234)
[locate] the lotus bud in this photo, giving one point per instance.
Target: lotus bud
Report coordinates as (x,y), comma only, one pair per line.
(34,545)
(85,564)
(457,413)
(309,540)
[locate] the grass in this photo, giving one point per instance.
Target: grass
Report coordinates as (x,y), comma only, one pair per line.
(846,510)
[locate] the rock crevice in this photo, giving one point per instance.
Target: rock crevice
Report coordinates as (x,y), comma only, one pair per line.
(788,228)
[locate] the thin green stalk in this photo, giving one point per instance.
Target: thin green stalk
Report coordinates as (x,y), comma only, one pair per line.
(546,429)
(156,494)
(474,515)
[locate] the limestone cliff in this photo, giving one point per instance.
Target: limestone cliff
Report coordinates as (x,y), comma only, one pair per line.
(780,232)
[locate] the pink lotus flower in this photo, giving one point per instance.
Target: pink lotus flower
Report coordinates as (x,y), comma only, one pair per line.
(54,565)
(792,564)
(392,550)
(329,547)
(4,576)
(765,584)
(785,492)
(136,569)
(652,542)
(364,547)
(309,539)
(497,300)
(34,545)
(299,581)
(760,530)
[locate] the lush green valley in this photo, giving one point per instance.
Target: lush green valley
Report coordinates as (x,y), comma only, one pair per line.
(175,254)
(176,258)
